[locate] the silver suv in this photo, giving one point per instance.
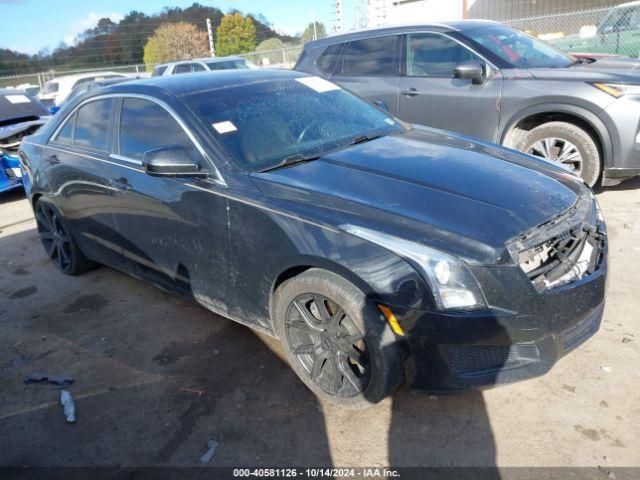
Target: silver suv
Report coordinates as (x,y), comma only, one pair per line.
(202,65)
(498,84)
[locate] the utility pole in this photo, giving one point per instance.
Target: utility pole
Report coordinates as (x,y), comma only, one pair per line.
(210,32)
(315,30)
(339,16)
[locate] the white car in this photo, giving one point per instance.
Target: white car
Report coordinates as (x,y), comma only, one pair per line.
(58,89)
(202,65)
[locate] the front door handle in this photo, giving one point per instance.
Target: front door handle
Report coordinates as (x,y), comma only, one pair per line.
(52,160)
(411,92)
(121,183)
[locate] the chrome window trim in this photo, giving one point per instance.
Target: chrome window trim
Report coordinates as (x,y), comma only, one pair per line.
(443,34)
(218,177)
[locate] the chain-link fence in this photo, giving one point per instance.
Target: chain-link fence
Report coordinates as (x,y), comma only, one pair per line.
(280,58)
(607,31)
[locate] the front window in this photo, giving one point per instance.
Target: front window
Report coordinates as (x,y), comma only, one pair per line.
(431,55)
(518,49)
(262,123)
(145,126)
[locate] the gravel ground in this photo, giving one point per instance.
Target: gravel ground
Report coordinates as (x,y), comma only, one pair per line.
(156,378)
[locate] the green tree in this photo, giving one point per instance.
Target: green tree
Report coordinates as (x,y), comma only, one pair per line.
(307,35)
(175,41)
(236,34)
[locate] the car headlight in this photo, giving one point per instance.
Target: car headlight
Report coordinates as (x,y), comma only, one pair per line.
(452,284)
(617,90)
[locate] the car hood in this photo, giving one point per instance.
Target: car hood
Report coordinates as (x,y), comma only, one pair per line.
(604,70)
(452,192)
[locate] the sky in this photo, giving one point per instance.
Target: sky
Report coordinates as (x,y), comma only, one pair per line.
(31,25)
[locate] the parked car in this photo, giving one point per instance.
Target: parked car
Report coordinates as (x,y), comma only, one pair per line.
(88,86)
(618,33)
(202,65)
(371,248)
(20,115)
(495,83)
(56,91)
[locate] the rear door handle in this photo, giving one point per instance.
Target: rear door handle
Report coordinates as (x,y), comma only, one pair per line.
(411,92)
(52,160)
(121,183)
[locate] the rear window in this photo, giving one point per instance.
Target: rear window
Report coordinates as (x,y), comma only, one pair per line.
(181,68)
(158,71)
(65,135)
(50,87)
(326,62)
(92,124)
(371,56)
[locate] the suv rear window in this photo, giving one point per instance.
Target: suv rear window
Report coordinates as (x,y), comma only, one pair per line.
(326,62)
(371,56)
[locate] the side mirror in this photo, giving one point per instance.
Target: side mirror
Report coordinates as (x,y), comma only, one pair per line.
(170,161)
(380,104)
(470,70)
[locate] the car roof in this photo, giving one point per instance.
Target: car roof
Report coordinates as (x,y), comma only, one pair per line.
(453,26)
(202,59)
(180,85)
(80,76)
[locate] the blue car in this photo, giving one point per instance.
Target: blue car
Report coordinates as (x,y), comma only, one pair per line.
(20,115)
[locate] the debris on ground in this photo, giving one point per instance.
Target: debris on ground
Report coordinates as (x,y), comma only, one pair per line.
(69,407)
(626,340)
(606,369)
(192,391)
(208,455)
(61,381)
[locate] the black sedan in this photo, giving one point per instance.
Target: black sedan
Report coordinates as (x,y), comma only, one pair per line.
(374,250)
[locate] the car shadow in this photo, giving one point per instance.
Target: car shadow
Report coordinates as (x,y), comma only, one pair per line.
(158,378)
(631,184)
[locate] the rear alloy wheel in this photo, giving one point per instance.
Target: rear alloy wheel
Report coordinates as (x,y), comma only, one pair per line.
(567,144)
(335,339)
(58,243)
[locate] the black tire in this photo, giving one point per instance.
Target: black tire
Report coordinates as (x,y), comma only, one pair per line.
(591,164)
(58,242)
(372,372)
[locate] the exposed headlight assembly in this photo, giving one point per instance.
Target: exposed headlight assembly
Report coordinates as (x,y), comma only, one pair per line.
(617,90)
(452,284)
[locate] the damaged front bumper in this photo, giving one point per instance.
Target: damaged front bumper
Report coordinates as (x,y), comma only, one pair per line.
(536,315)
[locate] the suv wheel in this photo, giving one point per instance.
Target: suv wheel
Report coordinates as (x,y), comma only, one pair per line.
(336,341)
(567,144)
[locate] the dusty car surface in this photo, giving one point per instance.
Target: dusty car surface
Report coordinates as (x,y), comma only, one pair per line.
(496,83)
(374,250)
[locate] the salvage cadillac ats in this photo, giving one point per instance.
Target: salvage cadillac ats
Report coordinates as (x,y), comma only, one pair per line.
(376,251)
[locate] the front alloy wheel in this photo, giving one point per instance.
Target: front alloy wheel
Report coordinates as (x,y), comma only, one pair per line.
(328,345)
(336,339)
(558,150)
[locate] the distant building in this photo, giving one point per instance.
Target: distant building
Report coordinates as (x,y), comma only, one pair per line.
(382,12)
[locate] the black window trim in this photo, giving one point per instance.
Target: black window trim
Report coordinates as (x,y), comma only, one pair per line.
(404,58)
(119,97)
(339,67)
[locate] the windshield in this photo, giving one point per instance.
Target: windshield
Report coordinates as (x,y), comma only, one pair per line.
(518,49)
(262,123)
(50,87)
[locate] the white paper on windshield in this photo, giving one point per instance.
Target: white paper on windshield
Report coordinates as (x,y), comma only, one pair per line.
(17,98)
(318,84)
(224,127)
